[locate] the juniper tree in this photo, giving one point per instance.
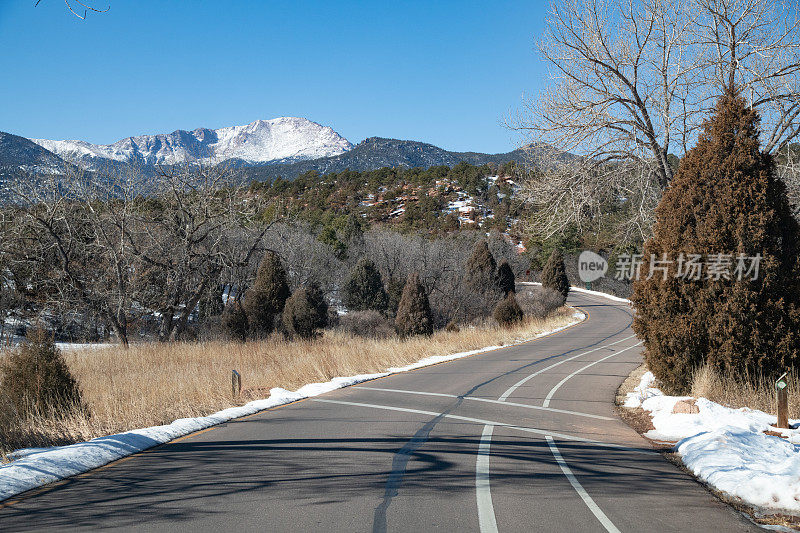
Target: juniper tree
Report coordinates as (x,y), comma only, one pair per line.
(305,312)
(234,321)
(505,277)
(507,312)
(414,312)
(364,289)
(264,301)
(481,267)
(725,199)
(36,379)
(554,274)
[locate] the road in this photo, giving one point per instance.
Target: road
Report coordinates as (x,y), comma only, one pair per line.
(523,438)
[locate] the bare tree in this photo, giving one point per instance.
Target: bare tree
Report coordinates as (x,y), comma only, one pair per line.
(86,8)
(127,245)
(631,83)
(181,239)
(69,236)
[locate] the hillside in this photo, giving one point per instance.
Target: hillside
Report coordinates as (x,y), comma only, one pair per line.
(377,152)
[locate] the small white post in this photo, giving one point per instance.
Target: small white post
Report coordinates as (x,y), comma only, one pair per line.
(781,387)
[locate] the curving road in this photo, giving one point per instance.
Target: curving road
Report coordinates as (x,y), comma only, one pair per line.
(519,439)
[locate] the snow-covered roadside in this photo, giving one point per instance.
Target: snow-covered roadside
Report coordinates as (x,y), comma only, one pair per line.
(727,448)
(603,294)
(36,467)
(584,291)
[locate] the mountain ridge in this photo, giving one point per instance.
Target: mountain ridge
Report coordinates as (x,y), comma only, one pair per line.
(377,152)
(280,139)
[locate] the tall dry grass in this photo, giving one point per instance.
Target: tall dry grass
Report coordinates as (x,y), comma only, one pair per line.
(755,393)
(156,383)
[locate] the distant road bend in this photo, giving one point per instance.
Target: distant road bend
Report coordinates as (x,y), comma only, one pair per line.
(523,438)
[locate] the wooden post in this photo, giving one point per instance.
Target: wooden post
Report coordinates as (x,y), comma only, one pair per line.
(236,383)
(782,393)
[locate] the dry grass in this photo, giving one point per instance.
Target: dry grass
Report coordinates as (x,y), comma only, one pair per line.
(757,393)
(153,384)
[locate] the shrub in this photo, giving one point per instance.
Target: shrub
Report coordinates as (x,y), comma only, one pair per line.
(539,302)
(364,290)
(554,274)
(507,312)
(36,379)
(371,324)
(724,199)
(234,321)
(264,301)
(305,312)
(452,327)
(505,277)
(414,312)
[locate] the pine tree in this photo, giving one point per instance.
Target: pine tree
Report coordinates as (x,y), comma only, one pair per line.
(724,199)
(414,312)
(305,312)
(234,321)
(364,290)
(35,378)
(264,301)
(554,274)
(505,277)
(508,312)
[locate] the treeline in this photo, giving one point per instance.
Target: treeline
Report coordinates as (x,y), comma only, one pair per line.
(95,258)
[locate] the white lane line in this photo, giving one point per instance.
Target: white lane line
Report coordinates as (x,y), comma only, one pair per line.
(560,383)
(593,507)
(489,400)
(524,380)
(561,436)
(483,492)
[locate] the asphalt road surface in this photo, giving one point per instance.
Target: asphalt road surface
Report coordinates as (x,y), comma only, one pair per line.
(519,439)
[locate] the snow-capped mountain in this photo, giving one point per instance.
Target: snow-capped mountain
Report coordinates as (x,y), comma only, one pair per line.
(283,139)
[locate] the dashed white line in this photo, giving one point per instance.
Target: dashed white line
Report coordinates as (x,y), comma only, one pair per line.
(524,380)
(483,492)
(489,400)
(560,383)
(593,507)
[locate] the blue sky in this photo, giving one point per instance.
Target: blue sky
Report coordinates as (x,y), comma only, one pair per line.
(440,72)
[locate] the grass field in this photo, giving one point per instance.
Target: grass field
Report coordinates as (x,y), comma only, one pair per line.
(156,383)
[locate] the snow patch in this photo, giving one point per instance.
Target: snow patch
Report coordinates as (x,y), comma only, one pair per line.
(727,448)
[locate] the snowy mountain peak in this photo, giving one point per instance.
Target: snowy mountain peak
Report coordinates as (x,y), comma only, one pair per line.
(282,139)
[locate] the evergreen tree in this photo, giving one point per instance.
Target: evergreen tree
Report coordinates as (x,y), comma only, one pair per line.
(35,378)
(353,229)
(394,290)
(554,274)
(505,277)
(305,312)
(724,199)
(264,301)
(414,312)
(234,321)
(507,312)
(481,267)
(364,290)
